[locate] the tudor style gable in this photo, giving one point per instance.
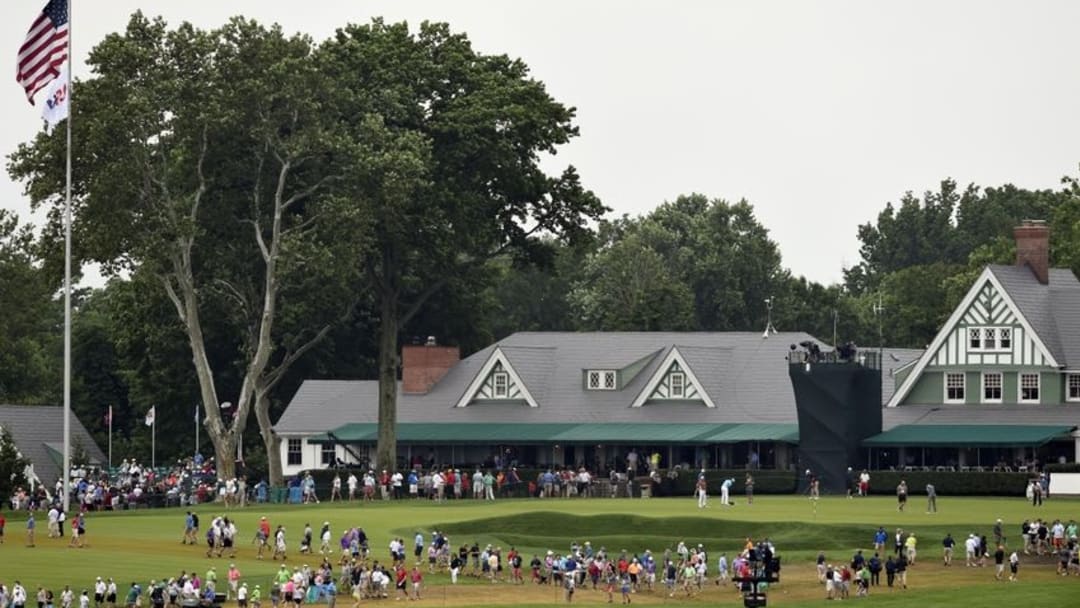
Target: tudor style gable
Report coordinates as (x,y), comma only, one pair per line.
(497,381)
(990,332)
(673,380)
(987,330)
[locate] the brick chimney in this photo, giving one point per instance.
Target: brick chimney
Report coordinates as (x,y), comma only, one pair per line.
(1033,248)
(423,365)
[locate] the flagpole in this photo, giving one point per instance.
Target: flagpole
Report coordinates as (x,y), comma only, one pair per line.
(67,286)
(153,439)
(110,438)
(196,430)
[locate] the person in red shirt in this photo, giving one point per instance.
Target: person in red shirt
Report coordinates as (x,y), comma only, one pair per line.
(401,580)
(417,578)
(2,523)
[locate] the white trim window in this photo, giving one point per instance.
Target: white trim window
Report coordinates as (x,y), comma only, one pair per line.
(991,387)
(500,385)
(1072,387)
(678,385)
(1029,388)
(294,452)
(601,380)
(974,338)
(955,385)
(328,454)
(989,339)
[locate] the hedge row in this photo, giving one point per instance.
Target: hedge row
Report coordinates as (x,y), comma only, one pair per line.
(950,483)
(1069,467)
(769,481)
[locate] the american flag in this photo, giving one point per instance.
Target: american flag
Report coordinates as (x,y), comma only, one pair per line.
(45,49)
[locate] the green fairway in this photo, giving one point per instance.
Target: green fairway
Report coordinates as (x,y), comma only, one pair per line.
(145,545)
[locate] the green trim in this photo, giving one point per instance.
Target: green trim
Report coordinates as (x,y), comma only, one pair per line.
(968,435)
(544,433)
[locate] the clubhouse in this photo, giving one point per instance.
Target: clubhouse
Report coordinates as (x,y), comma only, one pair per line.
(999,386)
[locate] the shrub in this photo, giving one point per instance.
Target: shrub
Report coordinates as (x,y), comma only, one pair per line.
(950,483)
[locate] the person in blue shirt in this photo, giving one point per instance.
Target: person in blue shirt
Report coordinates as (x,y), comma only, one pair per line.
(879,539)
(414,482)
(418,545)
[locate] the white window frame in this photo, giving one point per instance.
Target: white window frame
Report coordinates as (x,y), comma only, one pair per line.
(605,380)
(327,449)
(1070,379)
(1020,387)
(298,452)
(500,385)
(1000,387)
(979,337)
(974,338)
(681,393)
(593,380)
(962,387)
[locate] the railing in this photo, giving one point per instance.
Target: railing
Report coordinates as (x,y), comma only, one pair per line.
(864,358)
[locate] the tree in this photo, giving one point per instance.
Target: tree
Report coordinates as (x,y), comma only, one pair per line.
(918,232)
(461,183)
(206,161)
(629,287)
(12,465)
(714,252)
(28,368)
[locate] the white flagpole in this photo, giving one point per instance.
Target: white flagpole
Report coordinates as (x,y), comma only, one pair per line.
(196,430)
(110,437)
(67,287)
(153,440)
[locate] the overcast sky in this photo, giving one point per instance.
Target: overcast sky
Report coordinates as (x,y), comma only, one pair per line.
(818,113)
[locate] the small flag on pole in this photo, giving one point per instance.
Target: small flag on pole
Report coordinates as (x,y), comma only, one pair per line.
(45,48)
(57,101)
(196,414)
(108,417)
(150,416)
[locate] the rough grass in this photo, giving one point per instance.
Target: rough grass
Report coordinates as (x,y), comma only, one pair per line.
(144,545)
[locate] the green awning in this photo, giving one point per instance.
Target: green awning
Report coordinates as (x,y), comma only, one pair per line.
(967,435)
(788,433)
(618,432)
(612,432)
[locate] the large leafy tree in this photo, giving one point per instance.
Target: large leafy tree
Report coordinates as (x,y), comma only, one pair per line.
(28,341)
(629,286)
(693,263)
(206,162)
(464,134)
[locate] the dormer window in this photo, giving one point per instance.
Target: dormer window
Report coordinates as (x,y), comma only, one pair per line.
(678,385)
(600,380)
(500,382)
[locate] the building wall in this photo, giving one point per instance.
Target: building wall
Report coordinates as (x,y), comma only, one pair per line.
(930,389)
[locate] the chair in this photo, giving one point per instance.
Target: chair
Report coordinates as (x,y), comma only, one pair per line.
(1022,468)
(965,469)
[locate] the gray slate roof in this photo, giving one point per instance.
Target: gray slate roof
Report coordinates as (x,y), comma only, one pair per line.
(37,428)
(1053,310)
(895,359)
(745,375)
